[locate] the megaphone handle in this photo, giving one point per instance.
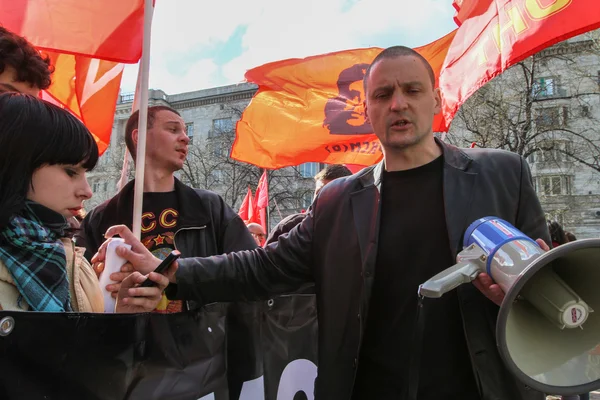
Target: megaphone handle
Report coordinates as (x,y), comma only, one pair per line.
(451,278)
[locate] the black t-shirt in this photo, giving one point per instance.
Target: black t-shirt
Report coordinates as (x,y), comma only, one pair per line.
(413,246)
(159,224)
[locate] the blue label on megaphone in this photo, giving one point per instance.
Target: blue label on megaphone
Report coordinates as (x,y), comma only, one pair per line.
(491,233)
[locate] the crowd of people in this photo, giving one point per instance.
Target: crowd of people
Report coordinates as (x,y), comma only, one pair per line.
(366,243)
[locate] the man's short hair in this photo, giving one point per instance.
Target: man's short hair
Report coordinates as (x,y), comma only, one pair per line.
(332,172)
(132,124)
(395,52)
(30,66)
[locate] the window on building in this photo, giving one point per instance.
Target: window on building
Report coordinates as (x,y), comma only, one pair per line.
(221,125)
(549,118)
(309,170)
(105,186)
(189,130)
(544,87)
(553,151)
(95,186)
(553,185)
(584,111)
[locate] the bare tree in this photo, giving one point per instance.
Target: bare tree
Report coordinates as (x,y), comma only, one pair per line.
(209,166)
(541,106)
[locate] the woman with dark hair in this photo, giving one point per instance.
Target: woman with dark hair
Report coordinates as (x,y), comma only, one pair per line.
(44,154)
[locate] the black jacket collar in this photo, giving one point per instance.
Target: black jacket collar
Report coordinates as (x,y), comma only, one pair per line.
(192,211)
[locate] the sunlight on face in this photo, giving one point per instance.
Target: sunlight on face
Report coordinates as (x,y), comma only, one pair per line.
(61,188)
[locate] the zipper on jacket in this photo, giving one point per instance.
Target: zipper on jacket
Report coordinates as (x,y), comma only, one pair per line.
(186,229)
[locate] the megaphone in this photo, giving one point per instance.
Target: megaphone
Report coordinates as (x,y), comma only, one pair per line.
(547,331)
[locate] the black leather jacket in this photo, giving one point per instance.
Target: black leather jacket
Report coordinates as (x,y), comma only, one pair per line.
(336,244)
(206,225)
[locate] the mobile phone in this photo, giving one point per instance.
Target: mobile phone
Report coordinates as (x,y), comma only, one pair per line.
(162,267)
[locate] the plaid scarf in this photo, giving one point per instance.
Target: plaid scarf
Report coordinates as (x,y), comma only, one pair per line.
(31,249)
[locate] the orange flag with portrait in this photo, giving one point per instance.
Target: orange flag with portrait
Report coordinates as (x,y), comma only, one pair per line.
(311,110)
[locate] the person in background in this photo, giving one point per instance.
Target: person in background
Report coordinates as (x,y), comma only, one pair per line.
(557,234)
(570,237)
(196,222)
(45,153)
(22,67)
(257,232)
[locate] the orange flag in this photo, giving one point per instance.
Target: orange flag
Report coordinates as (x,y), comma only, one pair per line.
(261,198)
(107,29)
(311,110)
(89,88)
(495,34)
(247,205)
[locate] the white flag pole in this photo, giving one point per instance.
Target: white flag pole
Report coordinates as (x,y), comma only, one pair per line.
(142,122)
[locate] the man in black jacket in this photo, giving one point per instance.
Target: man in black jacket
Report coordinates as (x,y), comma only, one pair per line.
(370,239)
(196,222)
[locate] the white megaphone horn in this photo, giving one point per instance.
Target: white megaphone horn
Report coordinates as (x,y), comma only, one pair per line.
(547,332)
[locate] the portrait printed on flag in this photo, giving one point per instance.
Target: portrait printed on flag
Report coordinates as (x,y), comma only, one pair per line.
(345,113)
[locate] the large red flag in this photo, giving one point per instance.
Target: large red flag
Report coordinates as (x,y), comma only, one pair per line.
(261,197)
(311,110)
(247,205)
(107,29)
(85,41)
(495,34)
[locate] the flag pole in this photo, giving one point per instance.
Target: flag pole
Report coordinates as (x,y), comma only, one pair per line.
(267,224)
(142,122)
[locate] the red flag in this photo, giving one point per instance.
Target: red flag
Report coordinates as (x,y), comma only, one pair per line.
(261,197)
(495,34)
(247,205)
(85,40)
(354,168)
(107,29)
(89,88)
(311,109)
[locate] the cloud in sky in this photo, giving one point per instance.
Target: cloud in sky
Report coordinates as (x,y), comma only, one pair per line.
(197,45)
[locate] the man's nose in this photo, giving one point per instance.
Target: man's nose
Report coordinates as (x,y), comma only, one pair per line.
(398,102)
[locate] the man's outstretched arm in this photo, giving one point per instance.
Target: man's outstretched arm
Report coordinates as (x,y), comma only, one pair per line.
(246,275)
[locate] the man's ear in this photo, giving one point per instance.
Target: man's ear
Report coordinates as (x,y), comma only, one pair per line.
(134,137)
(437,93)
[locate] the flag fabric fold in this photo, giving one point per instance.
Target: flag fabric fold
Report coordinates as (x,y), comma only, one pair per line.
(246,209)
(261,199)
(105,29)
(89,88)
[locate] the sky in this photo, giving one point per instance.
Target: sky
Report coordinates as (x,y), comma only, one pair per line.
(199,44)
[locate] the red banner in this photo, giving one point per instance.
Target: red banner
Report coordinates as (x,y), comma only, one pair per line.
(89,88)
(107,29)
(311,110)
(495,34)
